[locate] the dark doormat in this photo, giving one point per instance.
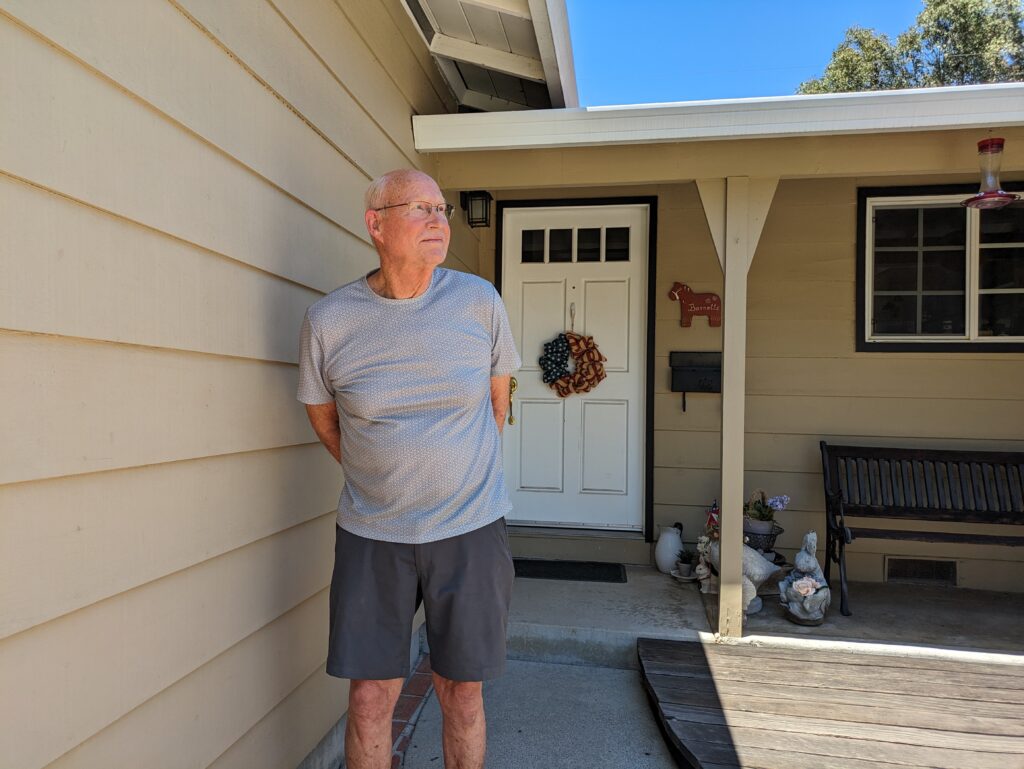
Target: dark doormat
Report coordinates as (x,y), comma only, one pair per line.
(581,571)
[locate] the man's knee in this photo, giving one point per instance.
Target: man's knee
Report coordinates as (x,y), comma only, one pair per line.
(373,700)
(459,699)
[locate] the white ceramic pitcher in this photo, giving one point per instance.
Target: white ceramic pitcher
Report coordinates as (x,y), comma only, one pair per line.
(670,542)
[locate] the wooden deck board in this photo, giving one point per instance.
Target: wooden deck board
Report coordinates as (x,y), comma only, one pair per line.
(745,707)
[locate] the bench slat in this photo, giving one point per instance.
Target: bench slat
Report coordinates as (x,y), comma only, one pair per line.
(939,536)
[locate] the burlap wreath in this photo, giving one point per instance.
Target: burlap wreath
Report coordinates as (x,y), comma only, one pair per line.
(589,370)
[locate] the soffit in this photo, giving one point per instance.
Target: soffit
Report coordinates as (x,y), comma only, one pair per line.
(500,55)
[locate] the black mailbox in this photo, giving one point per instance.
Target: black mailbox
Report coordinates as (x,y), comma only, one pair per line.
(696,372)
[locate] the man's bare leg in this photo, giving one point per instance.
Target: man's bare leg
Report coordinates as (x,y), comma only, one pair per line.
(371,705)
(465,728)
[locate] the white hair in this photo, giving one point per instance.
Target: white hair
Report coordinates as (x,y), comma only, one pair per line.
(380,188)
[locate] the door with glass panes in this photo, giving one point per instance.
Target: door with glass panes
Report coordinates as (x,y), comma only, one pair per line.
(577,461)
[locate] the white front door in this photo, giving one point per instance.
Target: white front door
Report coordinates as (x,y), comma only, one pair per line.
(577,461)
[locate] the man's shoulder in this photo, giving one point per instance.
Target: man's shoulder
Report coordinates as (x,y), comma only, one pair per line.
(465,282)
(337,301)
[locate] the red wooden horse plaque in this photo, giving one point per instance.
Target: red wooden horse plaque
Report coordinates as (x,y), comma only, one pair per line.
(692,304)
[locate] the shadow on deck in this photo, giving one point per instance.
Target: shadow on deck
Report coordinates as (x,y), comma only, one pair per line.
(723,706)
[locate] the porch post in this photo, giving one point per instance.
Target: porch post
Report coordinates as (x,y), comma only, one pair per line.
(736,209)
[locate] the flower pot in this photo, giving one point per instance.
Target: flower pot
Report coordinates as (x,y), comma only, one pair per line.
(684,569)
(752,526)
(670,542)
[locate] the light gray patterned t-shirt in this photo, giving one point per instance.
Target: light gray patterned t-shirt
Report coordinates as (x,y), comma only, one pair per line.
(410,378)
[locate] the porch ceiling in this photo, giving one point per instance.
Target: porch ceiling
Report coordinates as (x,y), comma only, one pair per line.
(499,55)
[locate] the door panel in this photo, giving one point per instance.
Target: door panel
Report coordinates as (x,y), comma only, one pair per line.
(605,455)
(577,461)
(607,328)
(540,449)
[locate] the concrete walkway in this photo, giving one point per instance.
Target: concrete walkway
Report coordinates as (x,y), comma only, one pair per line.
(557,717)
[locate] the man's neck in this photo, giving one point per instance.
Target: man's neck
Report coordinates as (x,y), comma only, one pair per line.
(394,283)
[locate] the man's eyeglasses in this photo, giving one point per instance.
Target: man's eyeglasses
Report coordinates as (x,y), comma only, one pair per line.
(421,209)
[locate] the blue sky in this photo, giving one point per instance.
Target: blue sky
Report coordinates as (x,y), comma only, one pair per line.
(679,50)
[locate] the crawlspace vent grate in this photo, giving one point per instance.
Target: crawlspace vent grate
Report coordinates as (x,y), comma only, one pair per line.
(920,570)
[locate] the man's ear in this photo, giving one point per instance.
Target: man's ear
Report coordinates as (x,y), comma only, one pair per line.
(373,224)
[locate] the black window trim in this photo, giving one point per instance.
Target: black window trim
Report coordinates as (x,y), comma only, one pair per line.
(863,345)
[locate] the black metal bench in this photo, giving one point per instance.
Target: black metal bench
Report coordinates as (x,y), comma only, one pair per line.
(985,487)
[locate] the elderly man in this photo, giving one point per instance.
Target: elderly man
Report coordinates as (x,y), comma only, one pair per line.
(405,376)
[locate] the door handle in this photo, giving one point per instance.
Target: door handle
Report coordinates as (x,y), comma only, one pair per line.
(513,385)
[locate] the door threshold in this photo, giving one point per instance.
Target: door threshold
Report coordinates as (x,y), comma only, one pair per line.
(515,530)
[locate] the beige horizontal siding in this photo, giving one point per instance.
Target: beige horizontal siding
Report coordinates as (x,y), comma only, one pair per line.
(117,654)
(83,407)
(196,719)
(282,737)
(112,151)
(181,179)
(70,542)
(358,70)
(97,276)
(261,40)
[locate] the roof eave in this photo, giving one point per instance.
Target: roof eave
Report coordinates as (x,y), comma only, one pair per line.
(925,109)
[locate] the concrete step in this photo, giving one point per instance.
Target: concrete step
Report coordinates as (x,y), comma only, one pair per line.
(597,623)
(598,647)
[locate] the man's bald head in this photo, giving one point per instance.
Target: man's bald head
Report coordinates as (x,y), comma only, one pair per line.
(387,189)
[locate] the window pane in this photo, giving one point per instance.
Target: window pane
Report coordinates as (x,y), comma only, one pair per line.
(588,245)
(896,226)
(896,271)
(533,245)
(944,271)
(1003,225)
(945,226)
(942,315)
(616,244)
(1001,314)
(1002,268)
(895,314)
(560,246)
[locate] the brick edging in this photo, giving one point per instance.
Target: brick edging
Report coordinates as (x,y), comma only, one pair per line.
(415,691)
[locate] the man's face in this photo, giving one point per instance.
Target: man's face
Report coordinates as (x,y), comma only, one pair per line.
(404,237)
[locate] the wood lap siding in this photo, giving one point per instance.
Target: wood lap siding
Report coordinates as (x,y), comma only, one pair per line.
(805,382)
(179,181)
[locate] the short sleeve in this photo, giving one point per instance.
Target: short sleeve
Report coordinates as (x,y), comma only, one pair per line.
(314,387)
(504,358)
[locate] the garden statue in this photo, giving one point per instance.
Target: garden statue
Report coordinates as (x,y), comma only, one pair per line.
(804,593)
(756,570)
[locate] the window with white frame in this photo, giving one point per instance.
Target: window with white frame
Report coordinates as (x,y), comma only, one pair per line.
(936,273)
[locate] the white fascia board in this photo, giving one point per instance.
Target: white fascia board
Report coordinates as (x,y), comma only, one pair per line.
(551,27)
(488,58)
(924,109)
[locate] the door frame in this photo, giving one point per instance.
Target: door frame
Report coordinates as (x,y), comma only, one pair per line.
(651,201)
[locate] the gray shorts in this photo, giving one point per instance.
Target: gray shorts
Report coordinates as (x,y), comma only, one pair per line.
(466,586)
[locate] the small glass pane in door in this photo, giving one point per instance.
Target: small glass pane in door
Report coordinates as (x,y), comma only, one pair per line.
(588,244)
(533,246)
(560,246)
(616,244)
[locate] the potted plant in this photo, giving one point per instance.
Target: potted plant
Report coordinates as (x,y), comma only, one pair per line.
(759,512)
(685,561)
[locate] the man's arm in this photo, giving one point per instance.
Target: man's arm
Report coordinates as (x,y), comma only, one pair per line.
(500,397)
(324,418)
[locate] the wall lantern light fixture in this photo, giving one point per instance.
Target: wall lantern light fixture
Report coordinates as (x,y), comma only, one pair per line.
(991,195)
(477,205)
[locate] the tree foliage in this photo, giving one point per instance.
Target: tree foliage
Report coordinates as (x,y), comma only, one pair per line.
(952,42)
